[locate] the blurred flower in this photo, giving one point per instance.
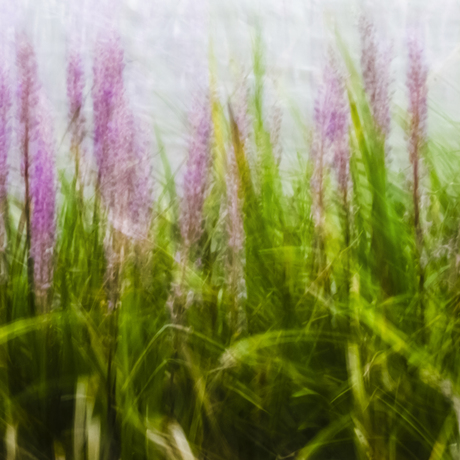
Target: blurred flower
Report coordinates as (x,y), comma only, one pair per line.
(122,152)
(127,187)
(240,107)
(42,196)
(5,134)
(107,90)
(418,91)
(75,85)
(196,174)
(235,228)
(330,143)
(375,64)
(36,140)
(28,92)
(234,206)
(417,87)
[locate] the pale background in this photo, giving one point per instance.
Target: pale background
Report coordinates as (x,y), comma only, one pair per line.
(167,45)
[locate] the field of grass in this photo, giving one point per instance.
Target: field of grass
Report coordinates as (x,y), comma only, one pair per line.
(246,312)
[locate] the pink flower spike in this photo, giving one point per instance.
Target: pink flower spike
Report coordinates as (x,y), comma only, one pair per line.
(75,85)
(375,64)
(417,76)
(196,174)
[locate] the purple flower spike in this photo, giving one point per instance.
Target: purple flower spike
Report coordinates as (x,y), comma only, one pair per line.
(234,206)
(196,175)
(142,186)
(126,185)
(28,91)
(418,92)
(75,85)
(5,133)
(107,91)
(331,110)
(330,142)
(122,155)
(375,63)
(36,138)
(5,105)
(43,196)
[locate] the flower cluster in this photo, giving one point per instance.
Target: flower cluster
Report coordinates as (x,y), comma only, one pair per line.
(417,88)
(121,154)
(331,143)
(5,105)
(375,63)
(75,85)
(42,193)
(196,174)
(36,139)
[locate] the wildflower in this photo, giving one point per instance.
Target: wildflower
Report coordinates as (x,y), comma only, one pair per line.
(417,87)
(331,136)
(235,219)
(418,91)
(240,105)
(42,196)
(107,90)
(120,148)
(36,138)
(375,63)
(195,178)
(28,92)
(5,105)
(127,186)
(75,85)
(236,236)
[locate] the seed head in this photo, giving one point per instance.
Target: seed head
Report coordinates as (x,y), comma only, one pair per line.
(330,142)
(375,63)
(418,91)
(196,174)
(75,85)
(42,197)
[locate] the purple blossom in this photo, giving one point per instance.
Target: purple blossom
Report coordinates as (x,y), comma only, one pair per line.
(5,133)
(196,174)
(240,106)
(236,237)
(75,85)
(142,186)
(126,183)
(121,149)
(107,90)
(43,195)
(375,63)
(418,91)
(5,105)
(28,91)
(36,137)
(331,109)
(330,143)
(235,226)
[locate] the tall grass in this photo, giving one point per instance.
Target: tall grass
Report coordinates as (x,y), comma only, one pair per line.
(230,318)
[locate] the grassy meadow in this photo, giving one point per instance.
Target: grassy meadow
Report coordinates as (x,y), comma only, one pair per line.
(244,311)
